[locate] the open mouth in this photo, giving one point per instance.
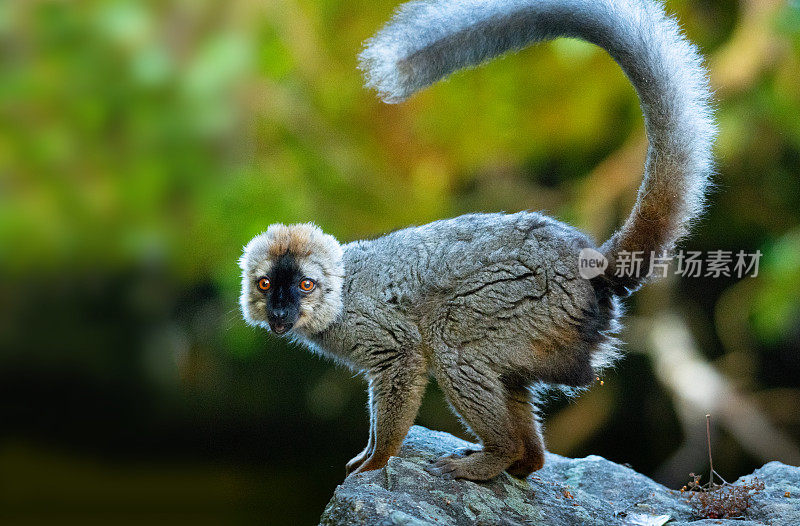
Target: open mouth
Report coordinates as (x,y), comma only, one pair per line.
(280,328)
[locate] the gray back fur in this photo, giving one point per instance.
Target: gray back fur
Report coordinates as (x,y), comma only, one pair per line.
(495,288)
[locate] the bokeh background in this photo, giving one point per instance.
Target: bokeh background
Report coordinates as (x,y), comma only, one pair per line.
(142,144)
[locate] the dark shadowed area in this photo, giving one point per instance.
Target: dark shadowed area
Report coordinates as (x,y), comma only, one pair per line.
(142,144)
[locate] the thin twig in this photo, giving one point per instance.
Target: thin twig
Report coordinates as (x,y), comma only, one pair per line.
(712,471)
(710,459)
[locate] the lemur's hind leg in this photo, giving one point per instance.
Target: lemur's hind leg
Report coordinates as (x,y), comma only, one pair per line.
(479,397)
(395,396)
(528,431)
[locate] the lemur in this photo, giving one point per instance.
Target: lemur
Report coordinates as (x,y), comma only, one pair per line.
(490,305)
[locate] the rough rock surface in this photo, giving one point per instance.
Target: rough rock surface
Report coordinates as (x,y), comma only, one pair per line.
(586,491)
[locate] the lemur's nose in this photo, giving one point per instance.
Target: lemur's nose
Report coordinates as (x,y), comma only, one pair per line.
(280,314)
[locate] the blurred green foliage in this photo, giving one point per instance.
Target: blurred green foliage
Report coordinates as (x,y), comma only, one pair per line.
(143,143)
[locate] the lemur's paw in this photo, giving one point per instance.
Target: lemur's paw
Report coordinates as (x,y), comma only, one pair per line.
(370,464)
(354,464)
(477,466)
(356,461)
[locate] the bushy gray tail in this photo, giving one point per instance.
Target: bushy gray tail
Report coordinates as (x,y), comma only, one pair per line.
(427,40)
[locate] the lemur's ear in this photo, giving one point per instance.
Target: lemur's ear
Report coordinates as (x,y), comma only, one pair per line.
(243,259)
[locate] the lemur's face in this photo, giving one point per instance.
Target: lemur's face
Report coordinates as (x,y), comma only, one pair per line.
(292,279)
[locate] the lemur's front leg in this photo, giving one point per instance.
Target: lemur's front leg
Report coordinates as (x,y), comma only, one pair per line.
(359,459)
(395,396)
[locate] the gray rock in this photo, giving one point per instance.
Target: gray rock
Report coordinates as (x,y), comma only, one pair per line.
(586,491)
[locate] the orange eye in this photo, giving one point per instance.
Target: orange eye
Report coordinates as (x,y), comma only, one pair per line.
(307,285)
(263,284)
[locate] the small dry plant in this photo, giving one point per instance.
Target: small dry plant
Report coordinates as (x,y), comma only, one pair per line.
(723,500)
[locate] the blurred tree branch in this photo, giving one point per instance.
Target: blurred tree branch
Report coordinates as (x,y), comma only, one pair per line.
(699,388)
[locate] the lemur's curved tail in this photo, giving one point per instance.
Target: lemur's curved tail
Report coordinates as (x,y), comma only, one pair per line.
(429,39)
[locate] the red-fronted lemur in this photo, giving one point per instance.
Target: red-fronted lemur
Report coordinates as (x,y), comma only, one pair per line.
(488,304)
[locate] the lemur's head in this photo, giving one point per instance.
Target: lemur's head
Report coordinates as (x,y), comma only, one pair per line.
(292,279)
